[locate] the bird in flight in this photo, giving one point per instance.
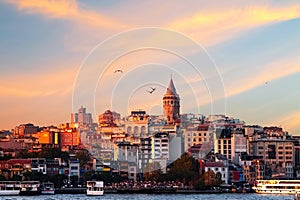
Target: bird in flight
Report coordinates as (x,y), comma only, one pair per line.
(118,71)
(266,82)
(152,90)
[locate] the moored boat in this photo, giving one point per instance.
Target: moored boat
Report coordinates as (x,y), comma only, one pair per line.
(277,186)
(8,188)
(30,188)
(94,188)
(47,188)
(297,196)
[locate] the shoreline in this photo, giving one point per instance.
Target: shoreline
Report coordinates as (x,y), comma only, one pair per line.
(143,191)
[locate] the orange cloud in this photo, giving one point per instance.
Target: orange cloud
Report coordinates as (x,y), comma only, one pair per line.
(290,122)
(268,73)
(211,27)
(38,85)
(65,9)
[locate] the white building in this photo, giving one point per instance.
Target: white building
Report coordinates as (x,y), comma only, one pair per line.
(74,168)
(218,167)
(160,146)
(39,165)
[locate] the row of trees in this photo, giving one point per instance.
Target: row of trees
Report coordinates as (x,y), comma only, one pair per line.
(186,169)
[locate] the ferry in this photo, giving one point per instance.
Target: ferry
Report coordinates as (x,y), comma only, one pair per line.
(47,188)
(277,186)
(30,188)
(94,188)
(8,188)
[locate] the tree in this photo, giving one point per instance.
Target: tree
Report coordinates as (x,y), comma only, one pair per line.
(83,156)
(209,178)
(184,169)
(219,180)
(51,153)
(59,179)
(152,171)
(34,176)
(2,178)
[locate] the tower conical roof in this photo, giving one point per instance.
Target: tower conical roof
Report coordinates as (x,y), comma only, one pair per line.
(171,89)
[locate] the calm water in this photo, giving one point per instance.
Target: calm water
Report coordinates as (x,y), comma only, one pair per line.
(153,197)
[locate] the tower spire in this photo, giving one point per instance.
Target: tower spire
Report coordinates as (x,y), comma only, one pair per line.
(171,88)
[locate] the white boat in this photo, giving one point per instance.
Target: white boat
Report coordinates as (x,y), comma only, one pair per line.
(297,196)
(94,188)
(8,188)
(47,188)
(277,186)
(30,188)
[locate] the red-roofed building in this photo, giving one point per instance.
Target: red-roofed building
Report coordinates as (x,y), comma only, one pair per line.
(12,167)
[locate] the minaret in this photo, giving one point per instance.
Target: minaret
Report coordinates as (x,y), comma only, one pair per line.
(171,104)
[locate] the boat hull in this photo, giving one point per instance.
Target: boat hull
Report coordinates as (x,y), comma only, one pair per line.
(48,192)
(95,193)
(277,187)
(9,192)
(29,193)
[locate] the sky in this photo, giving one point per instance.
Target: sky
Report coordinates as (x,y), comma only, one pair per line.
(239,58)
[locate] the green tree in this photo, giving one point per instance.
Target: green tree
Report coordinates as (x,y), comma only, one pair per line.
(152,171)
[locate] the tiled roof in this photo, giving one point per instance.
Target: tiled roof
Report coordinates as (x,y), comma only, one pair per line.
(214,164)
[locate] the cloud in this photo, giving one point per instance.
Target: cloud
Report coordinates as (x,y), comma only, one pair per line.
(214,26)
(66,9)
(268,73)
(290,122)
(38,84)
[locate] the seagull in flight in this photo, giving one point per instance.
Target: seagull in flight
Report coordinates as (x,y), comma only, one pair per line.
(118,71)
(152,90)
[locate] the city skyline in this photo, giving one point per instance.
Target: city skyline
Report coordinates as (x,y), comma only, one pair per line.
(250,50)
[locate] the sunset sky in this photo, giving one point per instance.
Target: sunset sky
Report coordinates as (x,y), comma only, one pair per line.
(239,58)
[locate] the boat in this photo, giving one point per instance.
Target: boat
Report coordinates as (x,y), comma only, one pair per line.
(30,188)
(297,196)
(8,188)
(277,186)
(94,188)
(47,188)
